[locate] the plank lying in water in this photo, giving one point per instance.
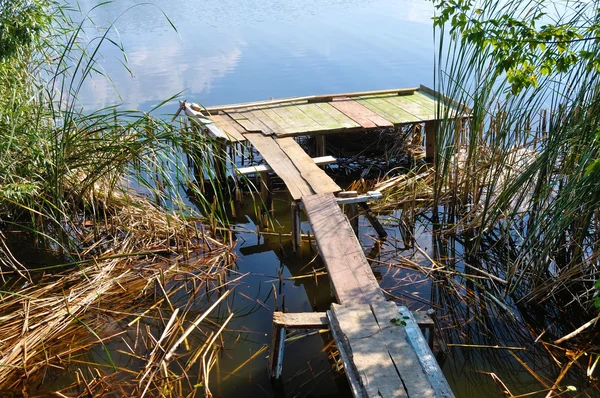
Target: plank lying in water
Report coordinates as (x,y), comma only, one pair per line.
(360,114)
(281,165)
(318,180)
(350,274)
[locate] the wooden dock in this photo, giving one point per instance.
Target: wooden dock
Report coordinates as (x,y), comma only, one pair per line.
(383,351)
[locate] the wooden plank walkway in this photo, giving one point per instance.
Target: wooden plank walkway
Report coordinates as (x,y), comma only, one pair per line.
(328,114)
(384,352)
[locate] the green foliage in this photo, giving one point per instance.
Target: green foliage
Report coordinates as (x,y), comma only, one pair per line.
(524,42)
(21,22)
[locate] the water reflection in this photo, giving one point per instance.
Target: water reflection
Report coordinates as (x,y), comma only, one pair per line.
(234,51)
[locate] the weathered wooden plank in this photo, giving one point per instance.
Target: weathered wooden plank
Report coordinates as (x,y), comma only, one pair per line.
(342,119)
(303,119)
(281,165)
(229,127)
(266,120)
(287,127)
(360,114)
(325,120)
(363,335)
(310,98)
(296,125)
(428,363)
(318,180)
(404,357)
(320,161)
(371,195)
(301,320)
(405,102)
(243,121)
(351,277)
(256,121)
(343,347)
(379,105)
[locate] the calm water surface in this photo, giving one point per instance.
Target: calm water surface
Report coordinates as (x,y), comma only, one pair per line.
(234,51)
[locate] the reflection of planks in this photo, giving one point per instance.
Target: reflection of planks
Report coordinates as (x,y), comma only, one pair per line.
(381,359)
(297,170)
(351,277)
(342,113)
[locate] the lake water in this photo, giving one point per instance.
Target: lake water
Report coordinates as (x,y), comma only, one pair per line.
(235,51)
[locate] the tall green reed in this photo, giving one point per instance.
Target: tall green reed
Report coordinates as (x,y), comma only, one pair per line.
(55,155)
(520,164)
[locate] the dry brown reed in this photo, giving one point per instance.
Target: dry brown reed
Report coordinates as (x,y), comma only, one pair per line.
(144,284)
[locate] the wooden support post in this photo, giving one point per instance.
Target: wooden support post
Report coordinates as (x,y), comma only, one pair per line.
(321,145)
(296,232)
(276,355)
(351,209)
(266,197)
(373,220)
(430,140)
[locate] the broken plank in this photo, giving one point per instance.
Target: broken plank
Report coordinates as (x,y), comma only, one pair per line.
(362,336)
(243,121)
(281,165)
(229,127)
(351,277)
(405,359)
(360,114)
(319,181)
(268,121)
(371,195)
(258,122)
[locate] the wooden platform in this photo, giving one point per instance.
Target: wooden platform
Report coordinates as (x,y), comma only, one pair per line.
(326,114)
(384,353)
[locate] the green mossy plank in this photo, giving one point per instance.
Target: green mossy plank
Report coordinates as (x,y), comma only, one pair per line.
(378,104)
(342,119)
(303,119)
(297,125)
(271,114)
(405,103)
(325,120)
(267,121)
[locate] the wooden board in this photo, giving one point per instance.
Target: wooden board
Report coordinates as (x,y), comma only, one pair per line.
(351,277)
(379,105)
(432,370)
(266,120)
(318,180)
(301,320)
(325,120)
(302,119)
(243,121)
(364,116)
(281,165)
(229,127)
(363,339)
(342,119)
(401,352)
(424,111)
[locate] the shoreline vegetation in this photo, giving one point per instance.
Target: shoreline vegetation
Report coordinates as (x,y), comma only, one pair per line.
(515,187)
(100,190)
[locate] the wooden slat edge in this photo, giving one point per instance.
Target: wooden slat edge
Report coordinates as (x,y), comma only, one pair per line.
(310,98)
(426,359)
(436,94)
